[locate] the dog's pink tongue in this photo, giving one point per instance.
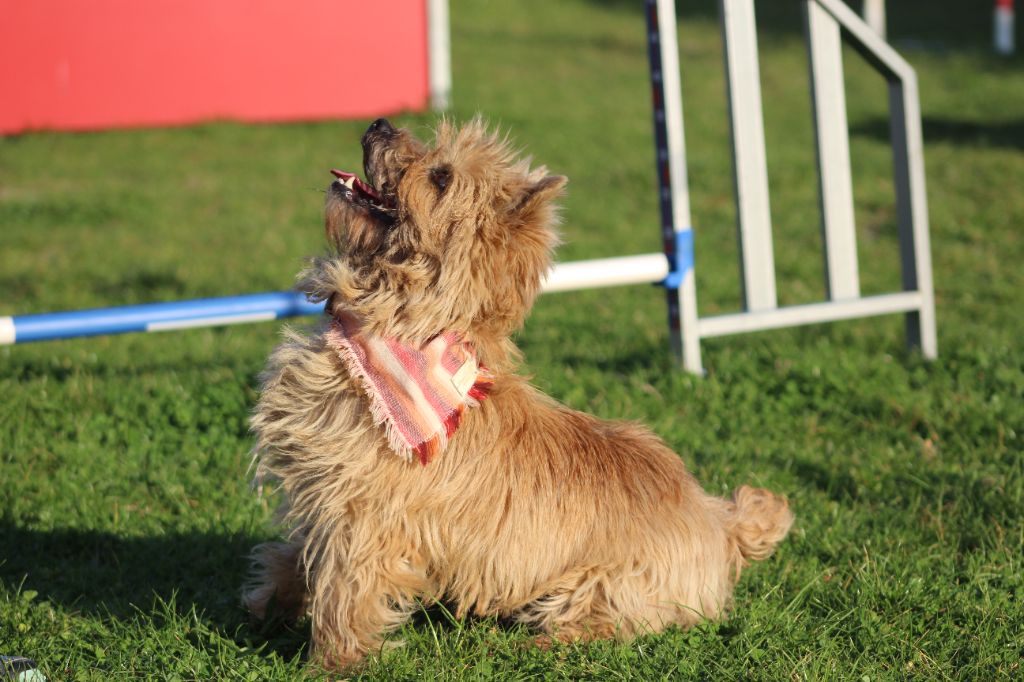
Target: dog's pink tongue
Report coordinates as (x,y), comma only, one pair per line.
(358,184)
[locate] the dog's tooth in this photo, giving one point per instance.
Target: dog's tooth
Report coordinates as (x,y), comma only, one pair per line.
(351,182)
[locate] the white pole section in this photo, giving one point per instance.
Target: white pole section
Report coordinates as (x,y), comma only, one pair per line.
(1002,36)
(810,313)
(607,272)
(750,166)
(874,16)
(439,54)
(912,211)
(7,332)
(831,134)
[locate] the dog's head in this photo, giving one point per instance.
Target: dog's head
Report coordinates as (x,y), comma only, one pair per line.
(453,236)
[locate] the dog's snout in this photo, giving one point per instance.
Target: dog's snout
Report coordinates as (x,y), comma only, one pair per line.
(379,131)
(381,125)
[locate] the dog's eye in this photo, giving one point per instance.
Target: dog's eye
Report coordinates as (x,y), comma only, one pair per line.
(440,177)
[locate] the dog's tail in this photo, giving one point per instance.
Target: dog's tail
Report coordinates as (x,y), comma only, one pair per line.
(758,520)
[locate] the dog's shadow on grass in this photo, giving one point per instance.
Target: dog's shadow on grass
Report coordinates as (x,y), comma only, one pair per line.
(100,574)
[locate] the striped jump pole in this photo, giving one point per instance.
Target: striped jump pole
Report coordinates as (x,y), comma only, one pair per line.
(673,182)
(651,268)
(156,317)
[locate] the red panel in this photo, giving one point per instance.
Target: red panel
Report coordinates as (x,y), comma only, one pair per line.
(87,64)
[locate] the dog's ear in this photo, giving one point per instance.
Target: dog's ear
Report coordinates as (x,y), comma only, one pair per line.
(536,197)
(516,270)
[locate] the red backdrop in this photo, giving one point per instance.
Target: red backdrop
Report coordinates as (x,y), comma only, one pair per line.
(88,64)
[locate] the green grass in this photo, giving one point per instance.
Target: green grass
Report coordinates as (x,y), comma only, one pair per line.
(125,512)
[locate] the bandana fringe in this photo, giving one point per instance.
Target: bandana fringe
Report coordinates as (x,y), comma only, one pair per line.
(380,417)
(417,422)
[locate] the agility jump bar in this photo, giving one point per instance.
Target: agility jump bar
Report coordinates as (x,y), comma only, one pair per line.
(154,317)
(650,268)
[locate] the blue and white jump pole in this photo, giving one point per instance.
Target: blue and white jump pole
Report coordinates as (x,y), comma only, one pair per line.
(153,317)
(216,312)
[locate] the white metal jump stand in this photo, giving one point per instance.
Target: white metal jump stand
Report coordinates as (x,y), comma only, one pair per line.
(824,18)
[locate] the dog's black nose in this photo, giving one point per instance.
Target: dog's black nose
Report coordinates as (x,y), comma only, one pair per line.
(381,125)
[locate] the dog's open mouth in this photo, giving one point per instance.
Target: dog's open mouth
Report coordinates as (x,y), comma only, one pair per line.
(360,193)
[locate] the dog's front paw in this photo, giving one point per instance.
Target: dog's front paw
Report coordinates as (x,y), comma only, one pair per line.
(276,590)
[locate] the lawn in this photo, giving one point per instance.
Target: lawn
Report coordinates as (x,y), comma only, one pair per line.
(125,508)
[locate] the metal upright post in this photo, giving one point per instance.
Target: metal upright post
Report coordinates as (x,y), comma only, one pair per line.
(750,165)
(673,185)
(912,209)
(831,135)
(439,55)
(874,16)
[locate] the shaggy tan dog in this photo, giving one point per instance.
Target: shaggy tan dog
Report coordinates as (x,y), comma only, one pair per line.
(580,527)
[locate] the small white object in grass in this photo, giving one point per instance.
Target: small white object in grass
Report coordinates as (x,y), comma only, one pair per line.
(20,669)
(1003,28)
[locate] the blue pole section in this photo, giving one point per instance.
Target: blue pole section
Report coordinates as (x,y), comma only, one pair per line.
(151,317)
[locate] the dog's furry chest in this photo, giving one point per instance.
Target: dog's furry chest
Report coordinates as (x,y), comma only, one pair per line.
(311,413)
